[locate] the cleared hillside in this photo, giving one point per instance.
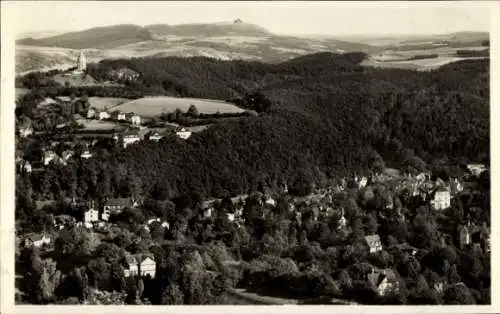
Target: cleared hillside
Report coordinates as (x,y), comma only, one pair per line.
(99,37)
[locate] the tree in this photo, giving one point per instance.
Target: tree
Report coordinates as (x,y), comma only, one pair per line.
(49,280)
(172,295)
(193,111)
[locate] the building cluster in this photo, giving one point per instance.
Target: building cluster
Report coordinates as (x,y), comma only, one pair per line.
(135,135)
(117,115)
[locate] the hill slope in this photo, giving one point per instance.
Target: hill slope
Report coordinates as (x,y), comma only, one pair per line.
(98,37)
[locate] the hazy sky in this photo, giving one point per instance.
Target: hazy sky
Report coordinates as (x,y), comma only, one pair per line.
(329,18)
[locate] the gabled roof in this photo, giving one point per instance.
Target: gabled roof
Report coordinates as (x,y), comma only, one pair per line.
(134,259)
(372,240)
(376,277)
(34,236)
(119,202)
(130,260)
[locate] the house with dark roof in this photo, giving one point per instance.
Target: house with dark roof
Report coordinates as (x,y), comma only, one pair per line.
(154,136)
(37,240)
(476,169)
(67,154)
(25,131)
(140,265)
(374,243)
(383,281)
(116,205)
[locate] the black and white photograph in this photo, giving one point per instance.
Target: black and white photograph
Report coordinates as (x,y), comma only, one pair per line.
(249,153)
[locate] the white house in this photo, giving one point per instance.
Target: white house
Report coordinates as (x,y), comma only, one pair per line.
(140,265)
(103,115)
(86,155)
(207,212)
(374,243)
(442,199)
(91,113)
(155,136)
(37,240)
(48,156)
(129,137)
(271,202)
(476,169)
(27,167)
(121,116)
(342,223)
(91,215)
(231,217)
(135,119)
(25,131)
(67,154)
(184,134)
(383,281)
(362,182)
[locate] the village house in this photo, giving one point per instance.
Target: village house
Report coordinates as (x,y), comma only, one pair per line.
(25,131)
(91,113)
(124,74)
(154,136)
(91,214)
(135,119)
(361,182)
(374,243)
(183,133)
(67,154)
(27,167)
(270,202)
(455,186)
(342,222)
(36,240)
(49,156)
(119,115)
(140,265)
(439,287)
(129,137)
(86,154)
(464,235)
(442,199)
(383,281)
(116,205)
(231,217)
(103,115)
(476,169)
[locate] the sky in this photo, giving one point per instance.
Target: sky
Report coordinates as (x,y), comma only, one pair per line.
(280,17)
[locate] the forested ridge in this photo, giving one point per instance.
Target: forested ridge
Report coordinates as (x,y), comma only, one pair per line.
(328,118)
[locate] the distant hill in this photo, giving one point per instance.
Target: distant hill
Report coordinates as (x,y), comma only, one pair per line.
(235,40)
(98,37)
(236,28)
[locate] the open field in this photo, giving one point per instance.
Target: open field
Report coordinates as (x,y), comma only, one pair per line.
(154,106)
(106,102)
(422,64)
(96,125)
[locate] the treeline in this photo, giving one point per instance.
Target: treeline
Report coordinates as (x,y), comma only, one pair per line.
(473,53)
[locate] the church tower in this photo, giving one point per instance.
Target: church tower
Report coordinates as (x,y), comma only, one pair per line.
(81,62)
